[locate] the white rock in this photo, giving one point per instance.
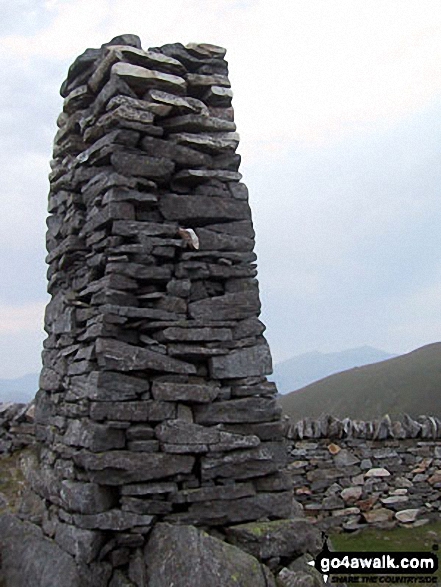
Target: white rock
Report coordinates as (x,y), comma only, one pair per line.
(377,472)
(407,516)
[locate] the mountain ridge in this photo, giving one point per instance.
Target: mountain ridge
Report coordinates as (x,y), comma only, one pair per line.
(408,383)
(301,370)
(19,390)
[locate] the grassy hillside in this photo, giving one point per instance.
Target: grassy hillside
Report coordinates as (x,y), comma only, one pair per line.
(305,369)
(409,383)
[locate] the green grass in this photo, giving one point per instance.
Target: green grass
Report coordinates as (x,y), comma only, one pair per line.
(422,538)
(12,482)
(406,384)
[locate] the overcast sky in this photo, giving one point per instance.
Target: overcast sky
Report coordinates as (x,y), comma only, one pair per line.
(338,104)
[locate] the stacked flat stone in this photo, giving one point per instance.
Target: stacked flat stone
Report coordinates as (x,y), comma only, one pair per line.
(153,403)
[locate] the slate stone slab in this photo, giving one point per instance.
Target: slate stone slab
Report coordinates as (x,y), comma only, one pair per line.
(186,392)
(94,436)
(109,386)
(84,545)
(247,362)
(214,493)
(118,355)
(178,436)
(239,464)
(176,555)
(116,520)
(156,168)
(120,467)
(246,410)
(280,538)
(202,209)
(140,411)
(195,123)
(86,498)
(237,306)
(142,79)
(219,513)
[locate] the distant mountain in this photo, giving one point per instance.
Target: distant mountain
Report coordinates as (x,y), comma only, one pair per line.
(20,390)
(304,369)
(409,384)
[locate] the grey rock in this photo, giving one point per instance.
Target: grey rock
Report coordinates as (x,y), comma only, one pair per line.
(345,458)
(240,464)
(137,569)
(159,488)
(187,392)
(200,209)
(407,516)
(378,515)
(112,354)
(196,334)
(144,229)
(377,472)
(143,79)
(195,123)
(214,493)
(262,505)
(181,103)
(96,437)
(246,362)
(218,96)
(210,142)
(84,545)
(175,553)
(28,558)
(264,430)
(227,307)
(109,386)
(179,154)
(120,580)
(246,410)
(204,81)
(411,427)
(178,436)
(121,467)
(86,498)
(140,411)
(146,506)
(140,432)
(156,168)
(332,502)
(351,494)
(279,538)
(116,520)
(194,177)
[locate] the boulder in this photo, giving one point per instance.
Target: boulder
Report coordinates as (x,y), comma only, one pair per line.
(184,555)
(29,558)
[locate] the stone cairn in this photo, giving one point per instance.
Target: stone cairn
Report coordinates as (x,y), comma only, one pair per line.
(154,409)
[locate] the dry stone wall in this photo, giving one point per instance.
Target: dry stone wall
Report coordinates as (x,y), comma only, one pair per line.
(17,429)
(349,474)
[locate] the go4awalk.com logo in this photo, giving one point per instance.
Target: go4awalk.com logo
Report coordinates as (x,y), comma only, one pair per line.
(400,568)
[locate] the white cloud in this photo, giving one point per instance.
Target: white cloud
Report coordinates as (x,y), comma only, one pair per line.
(308,72)
(21,318)
(307,76)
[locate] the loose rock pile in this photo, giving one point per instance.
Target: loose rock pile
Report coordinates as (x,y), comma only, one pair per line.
(16,427)
(154,408)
